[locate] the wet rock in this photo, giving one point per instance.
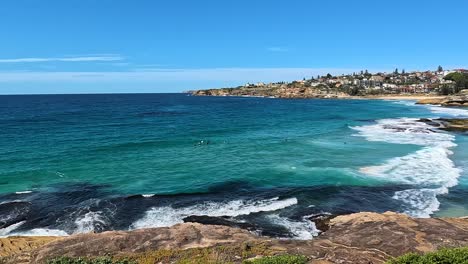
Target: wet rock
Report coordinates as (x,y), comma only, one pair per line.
(210,220)
(322,221)
(13,212)
(448,124)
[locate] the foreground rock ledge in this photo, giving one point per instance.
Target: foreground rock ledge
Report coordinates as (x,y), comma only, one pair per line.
(356,238)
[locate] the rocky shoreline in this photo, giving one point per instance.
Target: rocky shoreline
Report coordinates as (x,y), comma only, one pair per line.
(459,100)
(293,93)
(355,238)
(448,124)
(456,100)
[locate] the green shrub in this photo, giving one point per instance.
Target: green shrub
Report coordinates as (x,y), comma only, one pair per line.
(443,256)
(102,260)
(281,259)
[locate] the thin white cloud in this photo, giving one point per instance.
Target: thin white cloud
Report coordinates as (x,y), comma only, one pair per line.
(63,59)
(175,75)
(277,49)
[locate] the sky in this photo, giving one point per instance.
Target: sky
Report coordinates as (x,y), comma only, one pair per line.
(117,46)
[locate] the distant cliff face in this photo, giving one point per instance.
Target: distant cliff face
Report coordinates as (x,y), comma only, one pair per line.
(279,92)
(356,238)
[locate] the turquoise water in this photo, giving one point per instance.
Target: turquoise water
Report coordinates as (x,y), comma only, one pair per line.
(83,160)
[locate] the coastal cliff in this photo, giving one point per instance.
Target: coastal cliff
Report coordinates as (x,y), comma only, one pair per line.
(355,238)
(460,100)
(297,91)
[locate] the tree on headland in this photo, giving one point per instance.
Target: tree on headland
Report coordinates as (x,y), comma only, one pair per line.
(460,79)
(329,76)
(440,69)
(396,71)
(403,71)
(445,90)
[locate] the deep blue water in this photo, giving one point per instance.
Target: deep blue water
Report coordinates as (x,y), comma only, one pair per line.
(78,163)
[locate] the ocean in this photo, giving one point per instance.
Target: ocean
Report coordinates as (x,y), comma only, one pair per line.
(91,163)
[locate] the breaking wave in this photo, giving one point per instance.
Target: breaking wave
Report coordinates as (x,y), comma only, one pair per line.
(456,112)
(89,222)
(11,231)
(168,216)
(302,230)
(429,169)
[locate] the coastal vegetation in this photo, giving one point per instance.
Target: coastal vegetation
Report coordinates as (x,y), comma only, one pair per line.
(281,259)
(195,258)
(461,82)
(452,256)
(103,260)
(231,253)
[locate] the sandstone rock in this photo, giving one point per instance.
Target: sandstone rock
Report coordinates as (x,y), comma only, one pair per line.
(432,101)
(460,100)
(182,236)
(18,250)
(355,238)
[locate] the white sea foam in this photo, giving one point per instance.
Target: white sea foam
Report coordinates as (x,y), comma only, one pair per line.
(168,216)
(10,231)
(12,201)
(147,195)
(4,232)
(23,192)
(429,168)
(457,112)
(405,131)
(405,102)
(41,232)
(87,222)
(420,202)
(303,230)
(84,224)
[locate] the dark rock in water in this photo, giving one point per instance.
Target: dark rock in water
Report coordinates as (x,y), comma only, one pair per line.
(322,221)
(448,124)
(409,129)
(210,220)
(13,212)
(455,124)
(264,229)
(430,122)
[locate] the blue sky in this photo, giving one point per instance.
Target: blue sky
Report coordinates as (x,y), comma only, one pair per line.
(89,46)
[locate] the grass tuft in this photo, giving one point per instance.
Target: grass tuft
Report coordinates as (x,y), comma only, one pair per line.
(101,260)
(280,259)
(442,256)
